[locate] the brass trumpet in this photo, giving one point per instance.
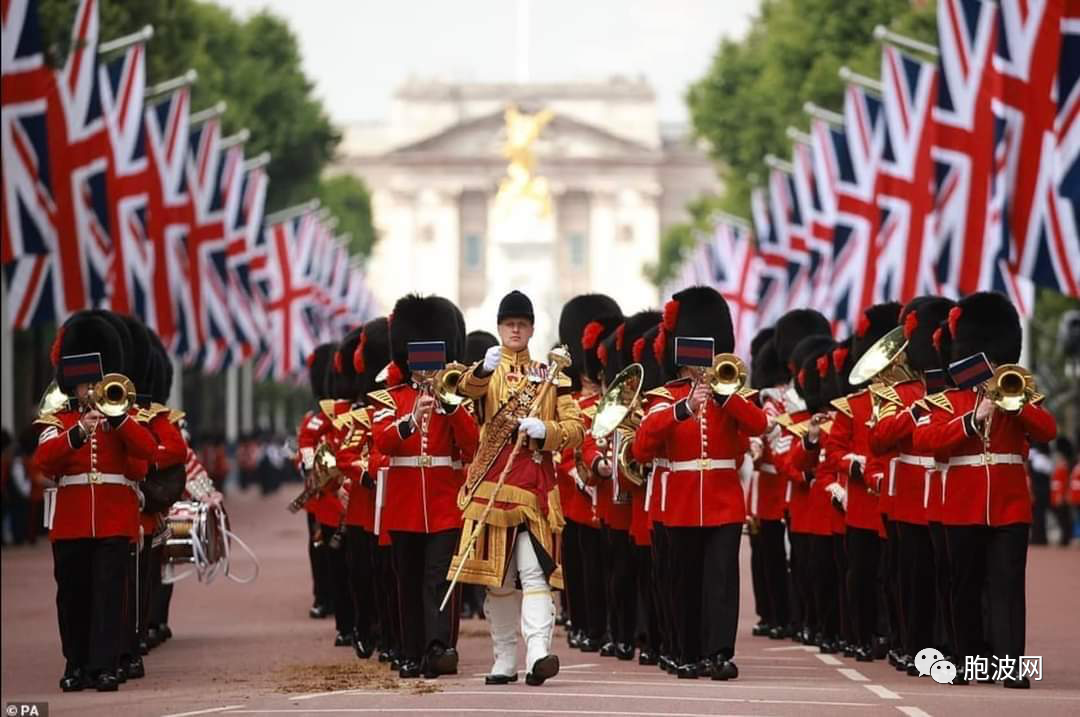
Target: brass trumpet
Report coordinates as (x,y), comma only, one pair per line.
(324,470)
(443,384)
(1011,387)
(727,375)
(113,395)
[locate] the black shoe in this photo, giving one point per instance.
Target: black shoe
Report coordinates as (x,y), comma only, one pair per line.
(144,648)
(894,658)
(912,670)
(74,680)
(396,663)
(384,656)
(135,668)
(318,612)
(864,654)
(777,633)
(1021,684)
(440,661)
(880,648)
(725,670)
(607,649)
(121,674)
(827,648)
(500,679)
(573,639)
(153,637)
(409,670)
(849,650)
(645,657)
(165,632)
(560,621)
(704,667)
(761,629)
(624,651)
(687,672)
(668,665)
(343,639)
(542,670)
(589,644)
(903,662)
(362,651)
(106,681)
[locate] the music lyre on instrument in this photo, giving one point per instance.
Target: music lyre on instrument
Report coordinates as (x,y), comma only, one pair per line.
(558,360)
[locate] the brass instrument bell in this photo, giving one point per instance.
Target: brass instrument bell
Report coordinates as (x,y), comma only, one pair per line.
(113,395)
(628,467)
(618,401)
(1010,387)
(727,375)
(52,400)
(443,384)
(880,356)
(325,467)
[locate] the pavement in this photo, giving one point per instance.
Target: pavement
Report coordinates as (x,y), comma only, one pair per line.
(252,650)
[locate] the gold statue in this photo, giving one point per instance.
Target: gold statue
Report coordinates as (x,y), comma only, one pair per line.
(519,185)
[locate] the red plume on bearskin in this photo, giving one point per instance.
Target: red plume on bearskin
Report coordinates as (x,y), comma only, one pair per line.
(638,350)
(358,354)
(864,325)
(659,344)
(671,315)
(601,353)
(394,376)
(802,377)
(619,334)
(823,365)
(310,360)
(954,317)
(911,323)
(339,366)
(839,356)
(936,338)
(591,335)
(54,353)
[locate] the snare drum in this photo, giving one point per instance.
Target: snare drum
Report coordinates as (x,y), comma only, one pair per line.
(191,522)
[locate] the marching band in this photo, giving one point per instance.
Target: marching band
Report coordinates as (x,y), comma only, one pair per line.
(880,479)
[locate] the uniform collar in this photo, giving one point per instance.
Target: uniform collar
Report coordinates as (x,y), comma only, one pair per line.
(516,359)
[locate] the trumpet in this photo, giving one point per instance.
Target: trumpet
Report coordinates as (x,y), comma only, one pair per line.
(443,384)
(727,375)
(324,470)
(1011,387)
(113,395)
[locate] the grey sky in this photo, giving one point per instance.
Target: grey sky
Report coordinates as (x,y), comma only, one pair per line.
(358,52)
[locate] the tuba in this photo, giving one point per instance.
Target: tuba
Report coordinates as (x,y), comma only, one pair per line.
(113,395)
(727,375)
(628,467)
(619,400)
(1011,387)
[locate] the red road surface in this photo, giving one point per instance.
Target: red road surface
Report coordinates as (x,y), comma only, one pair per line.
(251,649)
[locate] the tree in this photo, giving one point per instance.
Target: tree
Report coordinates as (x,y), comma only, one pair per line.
(348,199)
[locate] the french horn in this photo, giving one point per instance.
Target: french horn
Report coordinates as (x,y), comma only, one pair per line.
(619,400)
(886,353)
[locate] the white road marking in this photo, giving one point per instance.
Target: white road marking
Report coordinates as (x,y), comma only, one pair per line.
(801,648)
(829,660)
(210,710)
(882,692)
(334,693)
(853,675)
(493,710)
(533,692)
(913,712)
(563,668)
(707,683)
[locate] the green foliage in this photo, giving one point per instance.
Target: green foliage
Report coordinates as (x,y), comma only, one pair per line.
(1048,361)
(348,199)
(254,65)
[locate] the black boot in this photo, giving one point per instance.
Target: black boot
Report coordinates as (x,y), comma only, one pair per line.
(342,639)
(105,681)
(362,651)
(135,669)
(724,670)
(74,679)
(409,669)
(542,670)
(624,651)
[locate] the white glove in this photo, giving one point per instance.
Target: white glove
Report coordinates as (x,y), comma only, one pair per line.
(533,427)
(492,358)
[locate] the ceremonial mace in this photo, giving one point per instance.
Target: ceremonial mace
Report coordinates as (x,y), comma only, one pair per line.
(558,359)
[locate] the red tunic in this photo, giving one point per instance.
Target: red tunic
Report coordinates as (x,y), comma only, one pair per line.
(352,442)
(908,476)
(979,491)
(850,436)
(577,505)
(703,486)
(103,510)
(422,498)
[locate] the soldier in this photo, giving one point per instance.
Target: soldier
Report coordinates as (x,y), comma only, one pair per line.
(95,514)
(516,502)
(987,510)
(423,434)
(704,436)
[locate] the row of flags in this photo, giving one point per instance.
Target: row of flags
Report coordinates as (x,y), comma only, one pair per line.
(943,178)
(121,196)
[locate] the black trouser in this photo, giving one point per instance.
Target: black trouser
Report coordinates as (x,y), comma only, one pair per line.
(863,556)
(661,556)
(945,638)
(574,576)
(622,586)
(648,619)
(705,577)
(322,593)
(840,563)
(890,568)
(160,593)
(767,549)
(1063,514)
(337,577)
(595,569)
(90,587)
(360,559)
(822,576)
(916,576)
(386,600)
(994,558)
(422,561)
(762,606)
(138,596)
(805,616)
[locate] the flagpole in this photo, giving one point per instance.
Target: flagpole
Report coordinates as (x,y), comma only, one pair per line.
(797,135)
(209,113)
(818,112)
(234,139)
(291,212)
(775,162)
(162,88)
(848,75)
(732,218)
(884,34)
(122,43)
(259,160)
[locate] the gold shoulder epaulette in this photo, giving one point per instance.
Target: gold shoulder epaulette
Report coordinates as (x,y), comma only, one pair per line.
(383,398)
(940,400)
(562,381)
(799,429)
(361,416)
(841,404)
(589,412)
(784,419)
(748,393)
(156,409)
(887,392)
(48,419)
(327,407)
(175,416)
(660,392)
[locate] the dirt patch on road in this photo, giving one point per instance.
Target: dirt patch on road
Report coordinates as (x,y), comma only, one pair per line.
(333,676)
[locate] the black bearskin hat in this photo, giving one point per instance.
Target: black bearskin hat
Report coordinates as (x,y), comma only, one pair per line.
(921,318)
(765,367)
(319,363)
(345,381)
(592,337)
(576,315)
(986,322)
(162,375)
(793,327)
(141,366)
(632,330)
(425,318)
(874,323)
(476,345)
(642,352)
(697,311)
(842,362)
(805,354)
(90,332)
(372,354)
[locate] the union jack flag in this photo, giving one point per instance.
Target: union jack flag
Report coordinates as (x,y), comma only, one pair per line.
(737,267)
(905,183)
(1064,206)
(817,225)
(772,296)
(245,195)
(789,224)
(826,180)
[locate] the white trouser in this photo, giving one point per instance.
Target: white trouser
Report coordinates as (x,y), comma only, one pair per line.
(532,606)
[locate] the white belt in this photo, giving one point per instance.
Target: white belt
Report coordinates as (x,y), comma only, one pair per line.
(987,459)
(704,464)
(421,462)
(661,463)
(767,468)
(927,462)
(96,479)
